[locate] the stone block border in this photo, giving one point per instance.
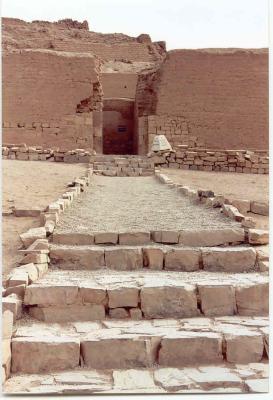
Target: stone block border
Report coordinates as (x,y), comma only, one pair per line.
(34,263)
(210,199)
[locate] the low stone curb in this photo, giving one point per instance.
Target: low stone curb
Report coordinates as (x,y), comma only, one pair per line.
(208,198)
(35,261)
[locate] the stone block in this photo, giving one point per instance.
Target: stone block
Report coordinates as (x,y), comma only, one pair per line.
(118,313)
(70,238)
(35,212)
(92,294)
(106,238)
(47,354)
(232,212)
(17,279)
(169,302)
(6,352)
(182,259)
(214,237)
(253,299)
(33,234)
(258,207)
(68,313)
(90,258)
(258,236)
(123,352)
(168,237)
(124,258)
(245,347)
(7,324)
(51,295)
(13,304)
(134,238)
(242,205)
(153,258)
(190,348)
(123,297)
(229,259)
(35,258)
(135,313)
(217,300)
(30,269)
(257,385)
(17,290)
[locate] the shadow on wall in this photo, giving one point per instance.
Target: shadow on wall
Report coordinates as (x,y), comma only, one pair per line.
(118,126)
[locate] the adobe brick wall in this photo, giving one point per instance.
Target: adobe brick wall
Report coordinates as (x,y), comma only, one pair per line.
(61,36)
(222,94)
(119,84)
(41,91)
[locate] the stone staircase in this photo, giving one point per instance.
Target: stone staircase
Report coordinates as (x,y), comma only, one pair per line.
(125,165)
(142,313)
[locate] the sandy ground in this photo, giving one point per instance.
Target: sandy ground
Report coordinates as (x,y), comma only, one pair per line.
(136,204)
(233,185)
(27,185)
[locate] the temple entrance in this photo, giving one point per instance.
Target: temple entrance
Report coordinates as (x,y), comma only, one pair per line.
(118,126)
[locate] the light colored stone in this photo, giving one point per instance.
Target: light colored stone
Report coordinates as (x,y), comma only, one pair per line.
(210,377)
(258,207)
(182,259)
(229,259)
(33,234)
(135,313)
(217,299)
(76,239)
(169,301)
(124,258)
(92,294)
(258,236)
(7,324)
(90,258)
(257,385)
(242,205)
(153,258)
(47,354)
(19,212)
(248,222)
(51,295)
(173,379)
(118,313)
(35,258)
(134,381)
(253,300)
(168,237)
(14,304)
(214,237)
(244,347)
(232,212)
(123,297)
(106,238)
(69,313)
(160,143)
(124,352)
(18,278)
(189,348)
(134,238)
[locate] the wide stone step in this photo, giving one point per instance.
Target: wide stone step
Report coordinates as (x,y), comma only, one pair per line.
(249,378)
(155,257)
(38,348)
(64,295)
(200,237)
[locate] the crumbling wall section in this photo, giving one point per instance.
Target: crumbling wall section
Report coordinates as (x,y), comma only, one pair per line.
(45,98)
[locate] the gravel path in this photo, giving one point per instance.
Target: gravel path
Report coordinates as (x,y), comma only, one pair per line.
(136,204)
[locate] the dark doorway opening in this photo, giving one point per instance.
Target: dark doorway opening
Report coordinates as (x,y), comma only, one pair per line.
(118,126)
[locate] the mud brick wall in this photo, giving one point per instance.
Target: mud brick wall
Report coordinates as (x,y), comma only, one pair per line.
(222,94)
(119,84)
(41,91)
(176,129)
(242,161)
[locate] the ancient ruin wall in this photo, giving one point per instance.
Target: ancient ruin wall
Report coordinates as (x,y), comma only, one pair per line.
(221,94)
(119,85)
(42,96)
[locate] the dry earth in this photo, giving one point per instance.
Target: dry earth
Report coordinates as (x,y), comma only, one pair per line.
(232,185)
(27,185)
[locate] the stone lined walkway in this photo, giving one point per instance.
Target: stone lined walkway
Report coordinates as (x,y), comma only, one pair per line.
(137,204)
